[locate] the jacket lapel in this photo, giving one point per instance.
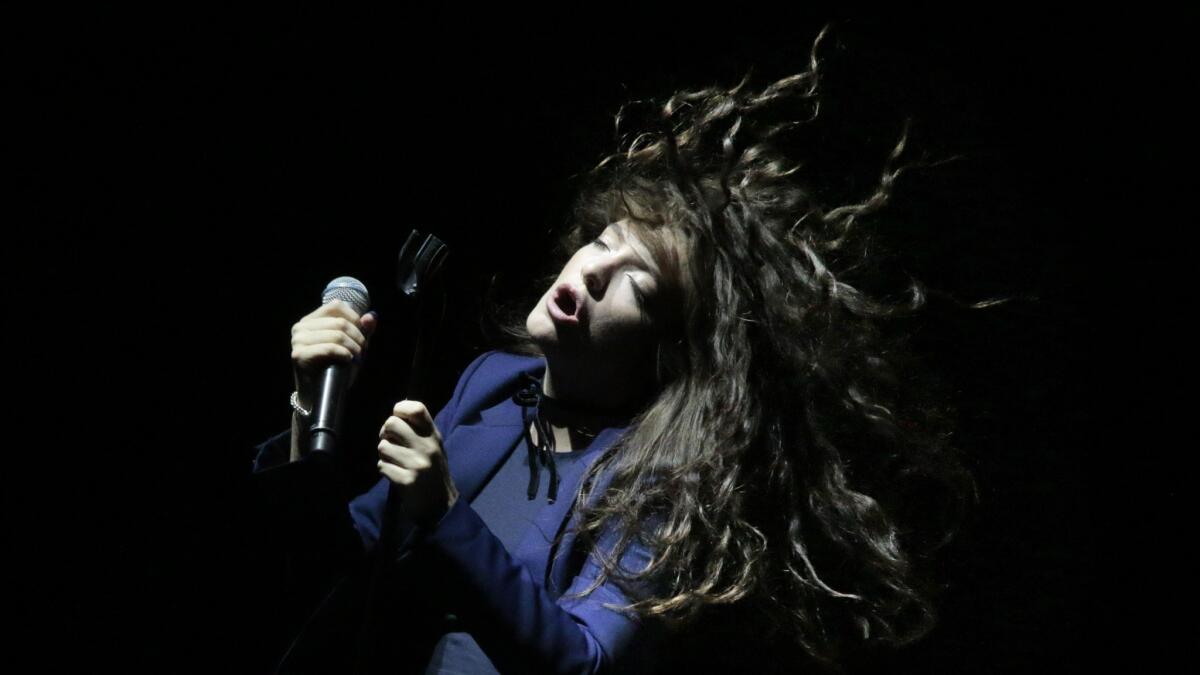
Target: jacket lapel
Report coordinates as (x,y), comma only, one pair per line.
(476,451)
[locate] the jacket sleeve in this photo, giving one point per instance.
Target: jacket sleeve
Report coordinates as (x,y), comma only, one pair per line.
(304,502)
(272,452)
(516,621)
(299,506)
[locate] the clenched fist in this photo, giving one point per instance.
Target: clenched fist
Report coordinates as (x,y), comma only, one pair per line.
(411,456)
(333,333)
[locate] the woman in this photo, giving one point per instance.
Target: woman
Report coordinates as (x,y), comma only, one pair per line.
(726,429)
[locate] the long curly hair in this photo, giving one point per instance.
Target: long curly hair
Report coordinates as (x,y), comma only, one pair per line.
(789,460)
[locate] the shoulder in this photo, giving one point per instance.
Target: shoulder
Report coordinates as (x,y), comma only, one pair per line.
(496,366)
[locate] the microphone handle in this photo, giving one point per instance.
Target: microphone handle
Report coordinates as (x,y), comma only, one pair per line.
(327,413)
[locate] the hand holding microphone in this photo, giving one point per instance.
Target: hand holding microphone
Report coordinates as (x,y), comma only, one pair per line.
(327,346)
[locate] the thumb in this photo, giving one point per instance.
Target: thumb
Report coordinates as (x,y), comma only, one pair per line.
(368,323)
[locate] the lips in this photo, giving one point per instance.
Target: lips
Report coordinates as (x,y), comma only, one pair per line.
(566,304)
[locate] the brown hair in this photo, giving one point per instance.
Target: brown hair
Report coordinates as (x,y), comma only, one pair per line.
(792,434)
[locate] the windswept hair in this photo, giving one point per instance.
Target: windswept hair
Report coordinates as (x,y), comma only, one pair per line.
(789,459)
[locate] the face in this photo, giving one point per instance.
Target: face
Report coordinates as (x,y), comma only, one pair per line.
(594,314)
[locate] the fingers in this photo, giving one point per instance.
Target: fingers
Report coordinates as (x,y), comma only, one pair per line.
(334,308)
(329,325)
(319,347)
(368,323)
(327,336)
(409,439)
(411,456)
(397,474)
(417,416)
(397,430)
(400,463)
(334,332)
(402,457)
(411,425)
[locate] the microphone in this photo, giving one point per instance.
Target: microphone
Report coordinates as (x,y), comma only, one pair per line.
(327,412)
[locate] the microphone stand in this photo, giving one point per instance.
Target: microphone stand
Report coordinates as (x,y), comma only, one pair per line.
(416,278)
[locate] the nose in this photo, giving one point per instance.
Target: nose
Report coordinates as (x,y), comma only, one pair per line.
(592,280)
(595,275)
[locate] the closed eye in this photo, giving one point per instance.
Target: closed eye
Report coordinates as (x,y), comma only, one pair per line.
(637,291)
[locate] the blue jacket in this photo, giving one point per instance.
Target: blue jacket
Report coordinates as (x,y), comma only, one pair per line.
(520,622)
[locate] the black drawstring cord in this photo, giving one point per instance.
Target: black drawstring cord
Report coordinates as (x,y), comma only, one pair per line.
(530,396)
(533,459)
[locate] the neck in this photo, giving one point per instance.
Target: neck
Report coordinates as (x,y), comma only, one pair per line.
(574,420)
(566,439)
(600,398)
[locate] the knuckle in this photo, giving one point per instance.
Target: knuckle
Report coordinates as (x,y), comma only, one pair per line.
(410,407)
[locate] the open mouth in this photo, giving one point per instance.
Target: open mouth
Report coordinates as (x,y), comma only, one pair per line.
(565,305)
(565,300)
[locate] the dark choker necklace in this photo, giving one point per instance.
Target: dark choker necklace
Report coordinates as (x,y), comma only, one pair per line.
(562,413)
(542,410)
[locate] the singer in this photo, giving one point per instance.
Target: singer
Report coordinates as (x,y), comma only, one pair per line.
(701,447)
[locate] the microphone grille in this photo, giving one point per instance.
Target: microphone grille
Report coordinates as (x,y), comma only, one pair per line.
(348,290)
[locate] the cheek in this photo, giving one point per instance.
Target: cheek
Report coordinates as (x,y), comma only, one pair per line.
(622,327)
(538,317)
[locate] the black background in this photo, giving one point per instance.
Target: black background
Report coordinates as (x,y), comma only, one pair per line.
(187,181)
